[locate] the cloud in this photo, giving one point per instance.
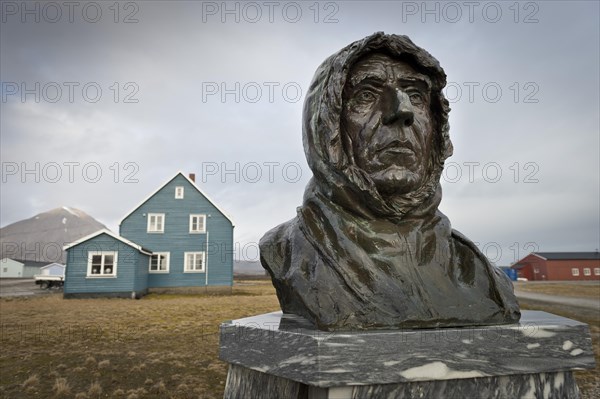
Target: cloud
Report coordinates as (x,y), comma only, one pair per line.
(528,102)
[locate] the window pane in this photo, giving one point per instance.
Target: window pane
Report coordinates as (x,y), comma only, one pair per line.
(96,264)
(108,264)
(153,262)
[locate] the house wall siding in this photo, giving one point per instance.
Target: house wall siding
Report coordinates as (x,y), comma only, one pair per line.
(76,280)
(30,271)
(536,268)
(176,238)
(532,263)
(561,269)
(141,273)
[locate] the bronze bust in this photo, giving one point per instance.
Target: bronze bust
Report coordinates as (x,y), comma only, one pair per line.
(369,249)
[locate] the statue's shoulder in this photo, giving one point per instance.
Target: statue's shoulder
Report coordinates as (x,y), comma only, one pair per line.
(461,240)
(275,246)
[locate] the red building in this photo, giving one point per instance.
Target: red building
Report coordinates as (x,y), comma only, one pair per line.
(559,266)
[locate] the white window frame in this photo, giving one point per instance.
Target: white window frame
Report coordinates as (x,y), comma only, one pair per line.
(179,191)
(587,271)
(186,266)
(167,256)
(575,271)
(596,271)
(199,216)
(103,254)
(152,228)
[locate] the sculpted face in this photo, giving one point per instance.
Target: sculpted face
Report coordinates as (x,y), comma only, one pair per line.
(387,115)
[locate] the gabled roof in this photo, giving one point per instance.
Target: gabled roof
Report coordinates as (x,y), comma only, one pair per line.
(167,182)
(113,235)
(568,255)
(32,263)
(5,260)
(52,265)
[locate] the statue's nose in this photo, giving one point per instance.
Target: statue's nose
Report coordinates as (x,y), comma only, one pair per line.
(399,109)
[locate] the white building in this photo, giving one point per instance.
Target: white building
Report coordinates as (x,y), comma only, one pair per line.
(15,268)
(53,269)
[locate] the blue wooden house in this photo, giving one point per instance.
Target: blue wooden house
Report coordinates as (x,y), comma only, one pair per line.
(190,236)
(184,237)
(104,264)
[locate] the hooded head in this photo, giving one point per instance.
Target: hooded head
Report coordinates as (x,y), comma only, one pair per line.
(375,127)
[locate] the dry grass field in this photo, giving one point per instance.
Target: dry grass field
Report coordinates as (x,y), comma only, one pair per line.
(162,346)
(590,289)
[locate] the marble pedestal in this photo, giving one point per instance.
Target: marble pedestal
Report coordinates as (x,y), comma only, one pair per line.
(283,356)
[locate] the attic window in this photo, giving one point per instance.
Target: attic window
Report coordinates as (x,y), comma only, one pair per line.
(179,192)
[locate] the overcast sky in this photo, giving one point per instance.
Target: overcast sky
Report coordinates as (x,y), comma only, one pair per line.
(103,103)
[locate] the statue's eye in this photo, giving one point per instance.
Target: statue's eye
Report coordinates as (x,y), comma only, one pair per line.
(416,98)
(365,97)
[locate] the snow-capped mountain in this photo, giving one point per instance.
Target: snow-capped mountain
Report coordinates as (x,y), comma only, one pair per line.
(41,237)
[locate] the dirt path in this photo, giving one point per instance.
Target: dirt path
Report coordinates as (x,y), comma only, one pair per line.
(21,287)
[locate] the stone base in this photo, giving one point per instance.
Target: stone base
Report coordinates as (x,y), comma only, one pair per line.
(283,356)
(244,383)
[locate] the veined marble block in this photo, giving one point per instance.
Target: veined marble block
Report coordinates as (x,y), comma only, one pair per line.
(278,351)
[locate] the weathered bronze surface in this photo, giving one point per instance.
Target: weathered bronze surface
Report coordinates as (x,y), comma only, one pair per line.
(369,249)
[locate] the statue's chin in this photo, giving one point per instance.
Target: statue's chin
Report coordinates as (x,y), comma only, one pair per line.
(396,181)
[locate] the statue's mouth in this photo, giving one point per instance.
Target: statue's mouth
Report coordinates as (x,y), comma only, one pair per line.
(397,147)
